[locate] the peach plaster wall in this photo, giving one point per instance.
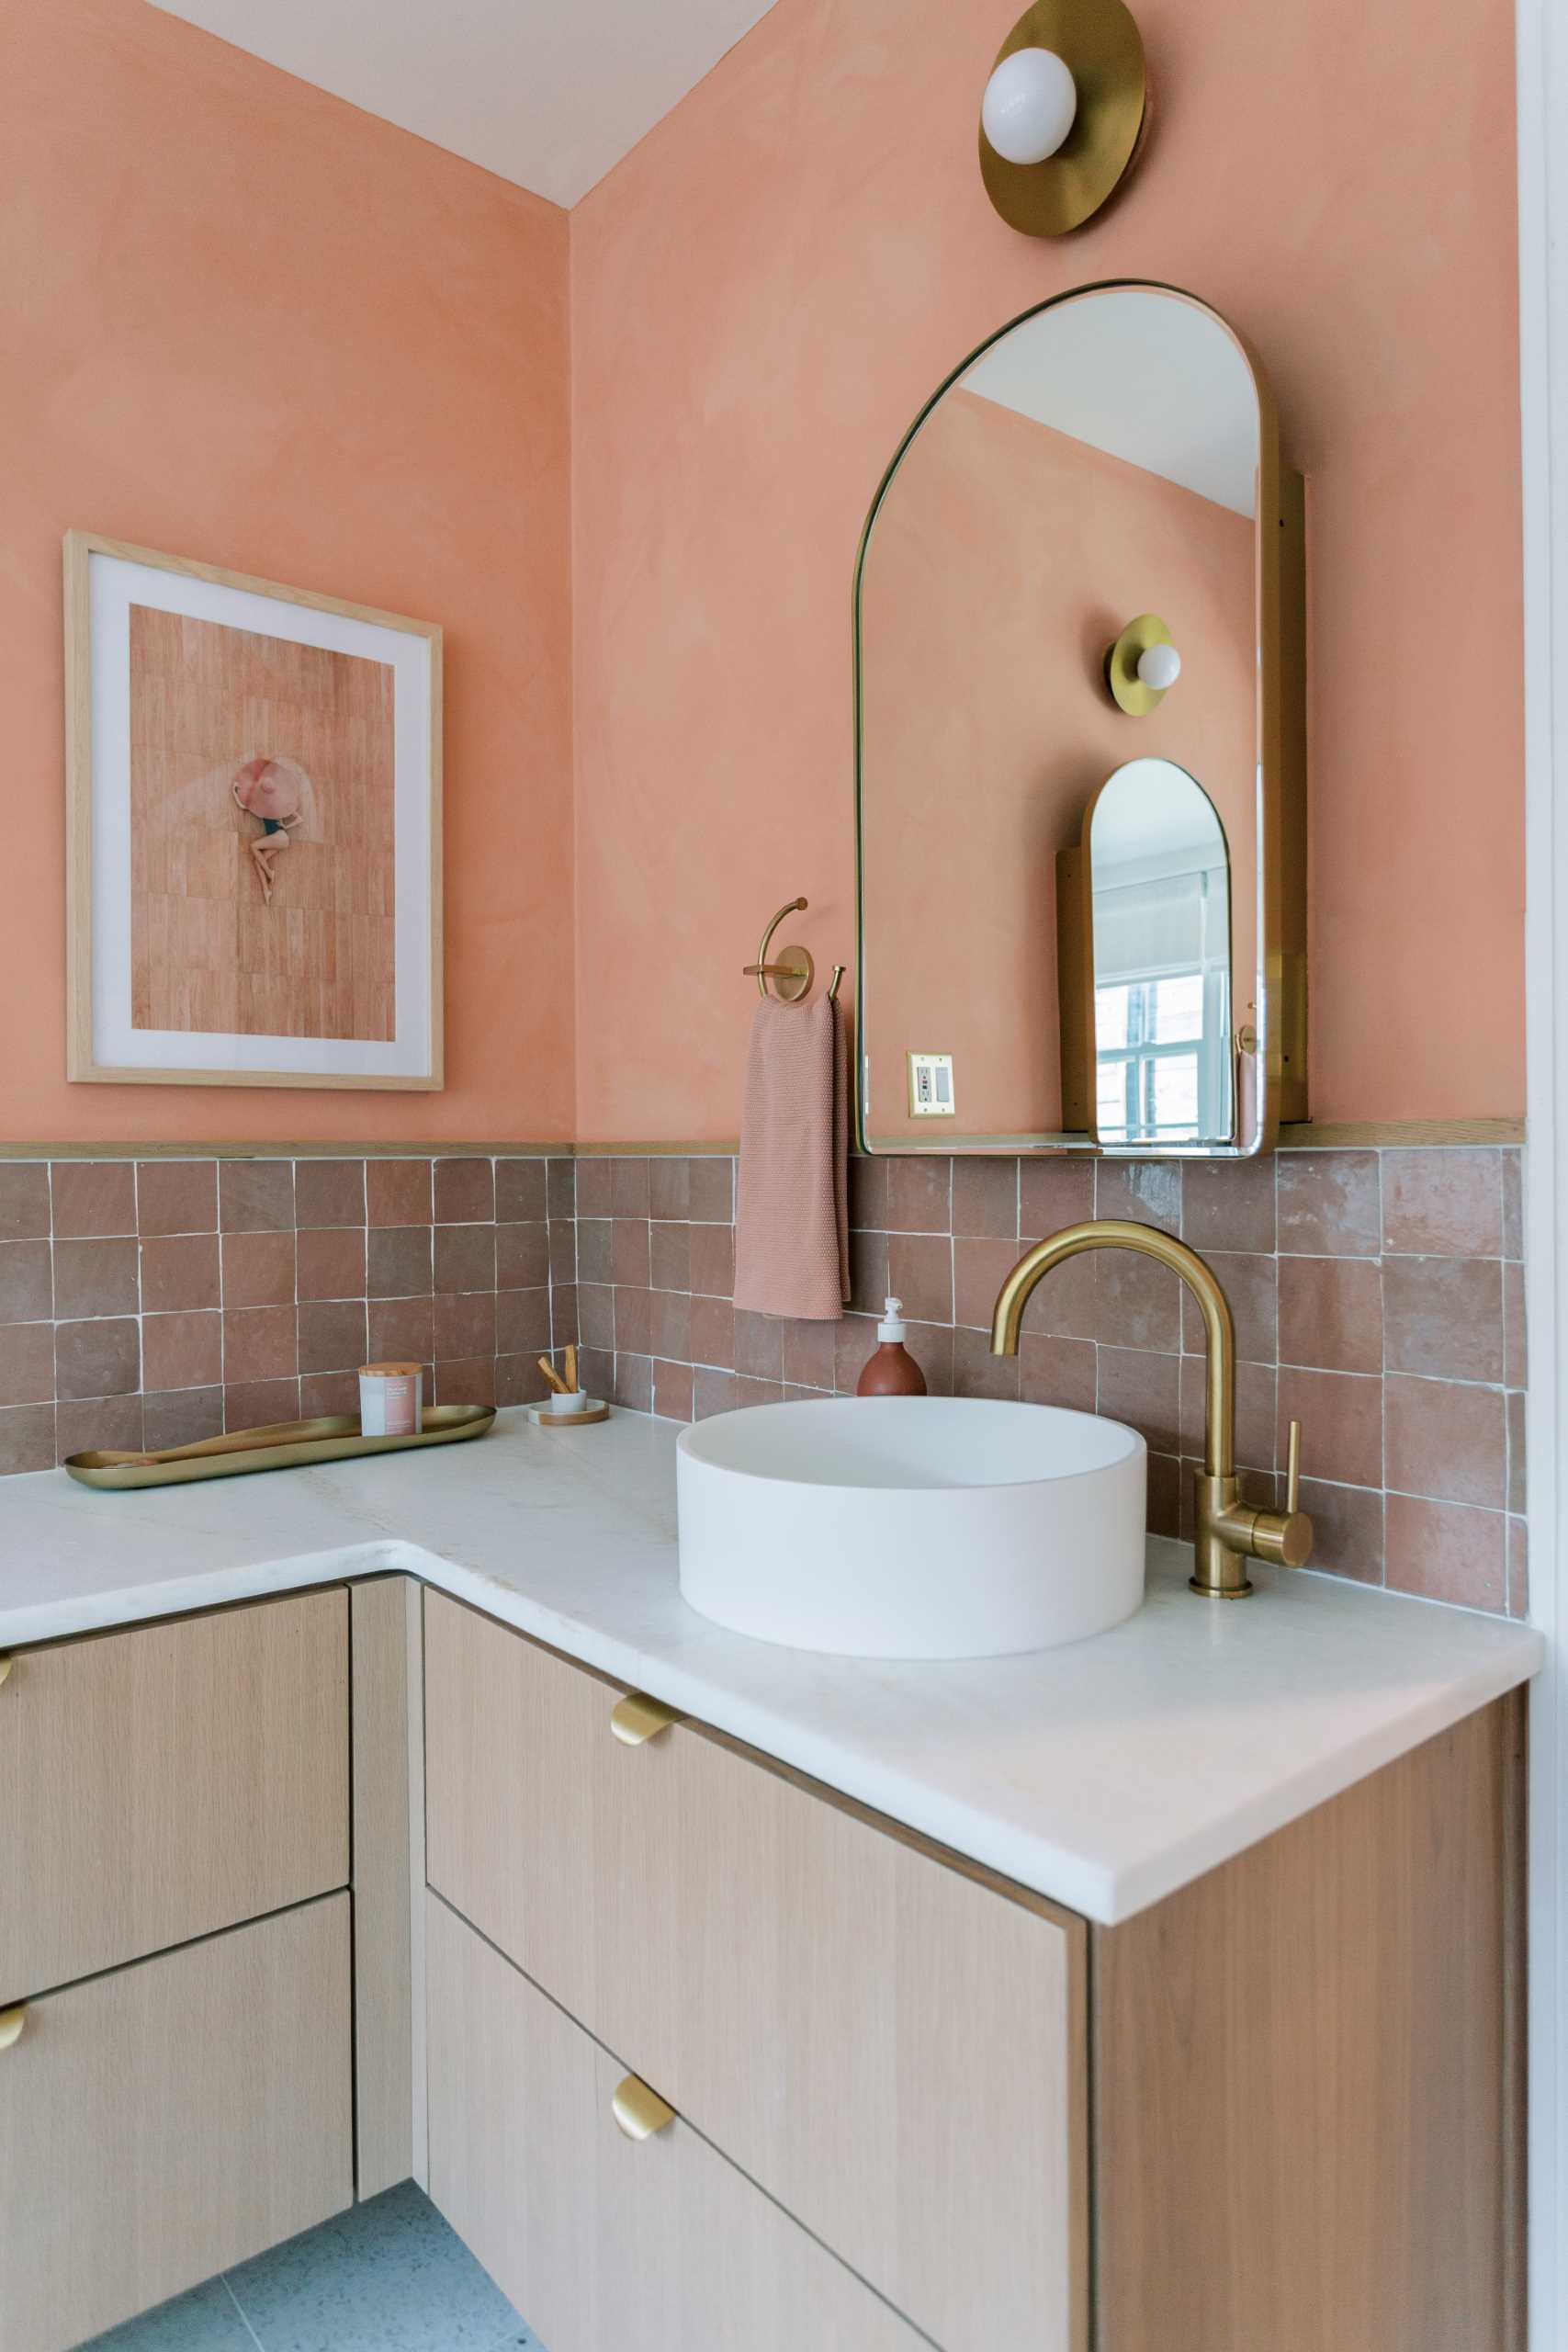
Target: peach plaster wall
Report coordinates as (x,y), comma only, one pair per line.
(246,323)
(763,295)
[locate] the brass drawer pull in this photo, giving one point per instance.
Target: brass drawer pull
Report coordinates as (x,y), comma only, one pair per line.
(11,2024)
(639,2112)
(640,1718)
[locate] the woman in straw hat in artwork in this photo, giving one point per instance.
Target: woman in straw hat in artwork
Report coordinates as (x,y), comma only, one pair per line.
(273,791)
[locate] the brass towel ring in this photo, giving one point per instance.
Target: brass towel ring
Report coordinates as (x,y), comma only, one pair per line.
(793,971)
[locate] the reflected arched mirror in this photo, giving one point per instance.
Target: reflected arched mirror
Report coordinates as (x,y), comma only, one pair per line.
(1161,943)
(1083,563)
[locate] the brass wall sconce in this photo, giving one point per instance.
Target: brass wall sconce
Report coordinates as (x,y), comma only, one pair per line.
(1142,666)
(1064,113)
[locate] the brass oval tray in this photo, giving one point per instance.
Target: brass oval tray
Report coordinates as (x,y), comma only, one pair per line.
(278,1445)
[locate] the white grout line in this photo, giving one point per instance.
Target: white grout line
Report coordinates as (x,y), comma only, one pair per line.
(244,2321)
(140,1335)
(222,1335)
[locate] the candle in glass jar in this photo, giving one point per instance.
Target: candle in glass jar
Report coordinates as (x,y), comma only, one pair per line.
(389,1399)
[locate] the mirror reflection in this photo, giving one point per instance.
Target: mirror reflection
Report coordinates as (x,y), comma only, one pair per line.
(1159,888)
(1058,583)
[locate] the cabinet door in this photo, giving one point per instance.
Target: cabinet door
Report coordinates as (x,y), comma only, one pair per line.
(164,2121)
(891,2044)
(169,1781)
(603,2243)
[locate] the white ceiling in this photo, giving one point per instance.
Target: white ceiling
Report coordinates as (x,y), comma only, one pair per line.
(1145,376)
(548,93)
(1159,812)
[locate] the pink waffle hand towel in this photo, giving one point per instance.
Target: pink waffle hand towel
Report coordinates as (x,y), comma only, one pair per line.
(792,1254)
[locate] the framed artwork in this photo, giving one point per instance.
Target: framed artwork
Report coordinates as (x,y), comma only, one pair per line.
(255,829)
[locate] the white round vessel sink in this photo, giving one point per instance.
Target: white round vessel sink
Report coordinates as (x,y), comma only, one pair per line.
(909,1527)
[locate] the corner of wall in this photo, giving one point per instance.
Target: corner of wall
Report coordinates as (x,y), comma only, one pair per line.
(571,571)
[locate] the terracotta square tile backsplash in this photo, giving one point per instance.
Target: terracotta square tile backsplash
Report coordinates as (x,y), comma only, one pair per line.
(1378,1299)
(1378,1296)
(155,1302)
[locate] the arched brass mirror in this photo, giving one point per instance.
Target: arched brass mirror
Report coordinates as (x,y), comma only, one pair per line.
(1080,748)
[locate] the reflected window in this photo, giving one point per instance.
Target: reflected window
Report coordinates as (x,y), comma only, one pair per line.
(1149,1048)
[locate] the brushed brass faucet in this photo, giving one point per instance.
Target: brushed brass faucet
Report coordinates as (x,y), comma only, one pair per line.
(1228,1532)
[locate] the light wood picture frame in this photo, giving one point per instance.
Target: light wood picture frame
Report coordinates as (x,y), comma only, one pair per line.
(212,721)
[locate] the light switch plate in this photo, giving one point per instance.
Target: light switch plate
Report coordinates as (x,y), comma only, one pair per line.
(931,1086)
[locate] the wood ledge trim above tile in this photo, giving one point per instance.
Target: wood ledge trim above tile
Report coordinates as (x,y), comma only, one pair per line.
(1309,1135)
(420,1149)
(725,1147)
(1328,1134)
(1341,1134)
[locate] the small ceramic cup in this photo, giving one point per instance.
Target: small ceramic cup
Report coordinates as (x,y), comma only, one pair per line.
(575,1401)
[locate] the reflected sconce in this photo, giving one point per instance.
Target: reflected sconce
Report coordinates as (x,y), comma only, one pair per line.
(1063,116)
(1142,666)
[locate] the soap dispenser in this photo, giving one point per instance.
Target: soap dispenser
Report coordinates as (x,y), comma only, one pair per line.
(892,1371)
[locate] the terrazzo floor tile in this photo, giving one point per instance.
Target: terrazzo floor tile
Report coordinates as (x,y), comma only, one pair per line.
(386,2277)
(207,2320)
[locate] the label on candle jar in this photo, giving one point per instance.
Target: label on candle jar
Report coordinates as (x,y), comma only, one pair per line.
(391,1399)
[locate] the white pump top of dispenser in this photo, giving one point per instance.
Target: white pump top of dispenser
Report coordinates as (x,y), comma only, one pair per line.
(892,1326)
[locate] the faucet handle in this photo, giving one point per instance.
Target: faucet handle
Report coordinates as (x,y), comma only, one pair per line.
(1285,1536)
(1294,1471)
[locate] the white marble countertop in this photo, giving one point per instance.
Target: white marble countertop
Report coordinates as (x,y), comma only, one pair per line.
(1103,1775)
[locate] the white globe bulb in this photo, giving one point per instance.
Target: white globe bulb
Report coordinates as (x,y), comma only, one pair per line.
(1029,105)
(1160,666)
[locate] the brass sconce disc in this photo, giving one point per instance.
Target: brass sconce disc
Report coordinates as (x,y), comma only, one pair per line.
(1127,689)
(794,974)
(1101,45)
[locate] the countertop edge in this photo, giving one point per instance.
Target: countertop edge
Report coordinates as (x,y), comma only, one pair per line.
(1430,1714)
(187,1594)
(1104,1896)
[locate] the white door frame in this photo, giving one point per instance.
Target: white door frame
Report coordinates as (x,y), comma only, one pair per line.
(1542,71)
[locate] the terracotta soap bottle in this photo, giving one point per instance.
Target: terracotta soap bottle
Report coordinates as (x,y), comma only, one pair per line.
(892,1371)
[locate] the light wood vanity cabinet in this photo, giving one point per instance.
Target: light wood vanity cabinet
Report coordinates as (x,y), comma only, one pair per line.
(168,1781)
(1270,2114)
(162,2121)
(175,2079)
(1308,2071)
(647,2246)
(900,2100)
(888,2045)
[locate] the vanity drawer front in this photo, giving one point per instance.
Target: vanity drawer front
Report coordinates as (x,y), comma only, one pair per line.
(607,2245)
(889,2045)
(166,2120)
(169,1781)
